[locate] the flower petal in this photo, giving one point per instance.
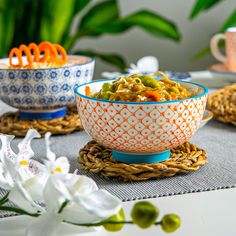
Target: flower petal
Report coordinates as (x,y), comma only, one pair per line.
(63,164)
(77,214)
(148,64)
(80,184)
(55,193)
(17,198)
(4,182)
(25,151)
(100,203)
(6,147)
(8,170)
(36,168)
(46,225)
(34,188)
(50,155)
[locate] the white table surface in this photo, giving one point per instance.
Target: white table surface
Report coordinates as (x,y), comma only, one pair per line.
(202,214)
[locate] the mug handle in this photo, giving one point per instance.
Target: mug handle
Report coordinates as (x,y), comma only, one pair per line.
(215,49)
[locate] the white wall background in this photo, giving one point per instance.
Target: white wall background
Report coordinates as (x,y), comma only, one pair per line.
(135,43)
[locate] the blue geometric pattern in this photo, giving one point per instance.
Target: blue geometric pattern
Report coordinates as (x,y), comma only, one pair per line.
(25,75)
(40,89)
(47,88)
(39,76)
(26,88)
(185,76)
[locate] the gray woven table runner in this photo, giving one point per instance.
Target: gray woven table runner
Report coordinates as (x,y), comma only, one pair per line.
(219,140)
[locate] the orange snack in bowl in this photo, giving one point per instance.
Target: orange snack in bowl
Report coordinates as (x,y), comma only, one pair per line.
(45,53)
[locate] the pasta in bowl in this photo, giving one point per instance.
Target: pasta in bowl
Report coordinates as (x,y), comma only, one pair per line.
(39,80)
(140,131)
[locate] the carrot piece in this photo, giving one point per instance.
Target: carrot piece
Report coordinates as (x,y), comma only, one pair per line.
(87,91)
(174,97)
(36,52)
(24,49)
(17,52)
(49,51)
(152,94)
(62,51)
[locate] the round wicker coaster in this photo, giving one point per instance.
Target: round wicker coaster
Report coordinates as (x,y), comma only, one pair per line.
(223,104)
(10,123)
(98,159)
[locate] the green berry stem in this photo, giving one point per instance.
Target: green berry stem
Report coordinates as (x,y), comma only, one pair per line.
(64,204)
(158,223)
(18,211)
(4,199)
(105,222)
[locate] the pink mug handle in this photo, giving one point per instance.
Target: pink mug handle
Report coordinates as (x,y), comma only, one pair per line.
(215,49)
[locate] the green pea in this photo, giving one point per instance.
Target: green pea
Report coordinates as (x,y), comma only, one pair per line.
(149,81)
(144,214)
(106,87)
(120,216)
(170,223)
(105,96)
(173,89)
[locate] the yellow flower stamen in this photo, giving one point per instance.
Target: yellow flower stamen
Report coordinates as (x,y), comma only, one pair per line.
(58,169)
(23,162)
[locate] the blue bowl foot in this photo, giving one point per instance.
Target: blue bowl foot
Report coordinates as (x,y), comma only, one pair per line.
(140,158)
(43,115)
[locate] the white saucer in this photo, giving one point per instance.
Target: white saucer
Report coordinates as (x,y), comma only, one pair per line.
(222,71)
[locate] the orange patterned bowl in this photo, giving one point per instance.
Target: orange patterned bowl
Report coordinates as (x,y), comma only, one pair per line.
(141,132)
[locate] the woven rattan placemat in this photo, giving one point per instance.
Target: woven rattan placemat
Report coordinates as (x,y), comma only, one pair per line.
(223,104)
(10,123)
(98,159)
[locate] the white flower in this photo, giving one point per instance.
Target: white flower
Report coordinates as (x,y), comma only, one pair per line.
(7,157)
(86,204)
(55,165)
(19,174)
(147,65)
(63,197)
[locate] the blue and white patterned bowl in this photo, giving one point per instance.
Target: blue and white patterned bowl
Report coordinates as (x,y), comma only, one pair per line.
(178,75)
(46,90)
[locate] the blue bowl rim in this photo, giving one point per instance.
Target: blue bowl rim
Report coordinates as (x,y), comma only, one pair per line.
(138,103)
(92,60)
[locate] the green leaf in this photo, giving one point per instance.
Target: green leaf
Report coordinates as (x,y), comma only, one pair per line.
(79,5)
(149,21)
(7,26)
(231,21)
(55,18)
(202,53)
(113,59)
(100,14)
(202,5)
(26,24)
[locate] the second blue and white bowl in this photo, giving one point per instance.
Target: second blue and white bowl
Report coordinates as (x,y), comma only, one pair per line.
(44,93)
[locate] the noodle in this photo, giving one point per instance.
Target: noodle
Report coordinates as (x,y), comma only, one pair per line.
(141,88)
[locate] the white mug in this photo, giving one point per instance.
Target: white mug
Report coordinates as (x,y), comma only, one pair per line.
(230,48)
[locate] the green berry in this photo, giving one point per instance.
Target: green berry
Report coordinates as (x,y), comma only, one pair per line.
(170,223)
(144,214)
(120,216)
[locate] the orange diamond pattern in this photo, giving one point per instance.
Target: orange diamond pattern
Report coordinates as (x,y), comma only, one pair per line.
(141,128)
